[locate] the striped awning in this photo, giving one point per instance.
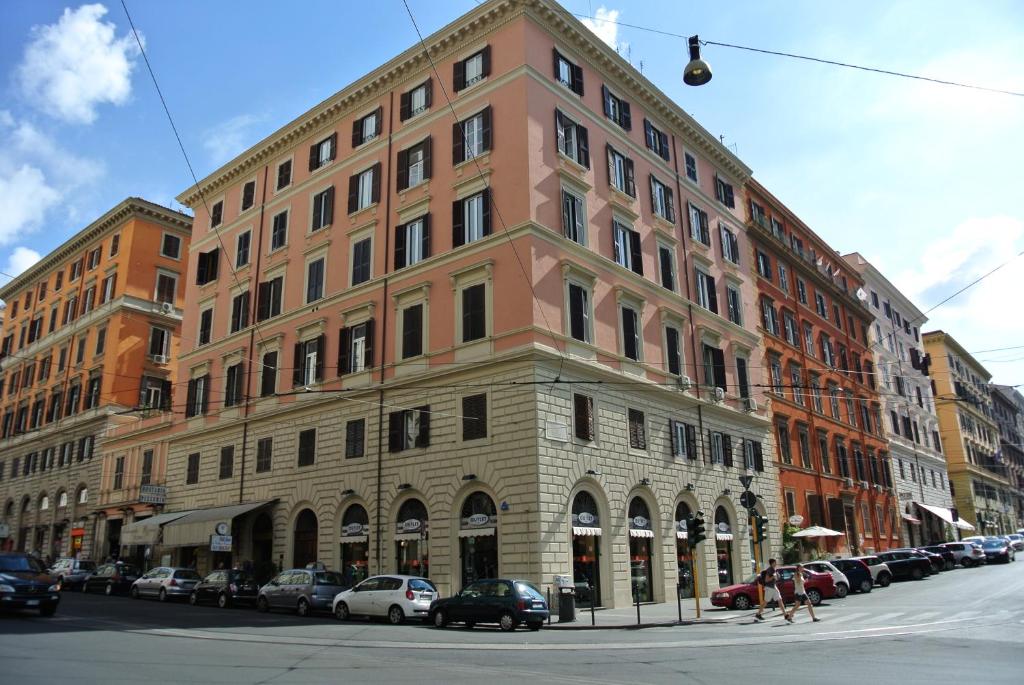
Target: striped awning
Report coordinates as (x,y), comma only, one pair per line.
(586,531)
(724,537)
(640,533)
(477,532)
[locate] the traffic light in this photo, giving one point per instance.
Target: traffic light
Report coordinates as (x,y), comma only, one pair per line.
(760,524)
(695,529)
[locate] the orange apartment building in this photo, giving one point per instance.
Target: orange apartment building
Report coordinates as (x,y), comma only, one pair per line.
(88,336)
(831,449)
(519,339)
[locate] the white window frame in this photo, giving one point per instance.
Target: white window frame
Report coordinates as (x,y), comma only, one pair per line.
(248,249)
(287,220)
(414,241)
(660,193)
(473,218)
(364,193)
(473,136)
(732,289)
(418,93)
(703,293)
(579,213)
(620,235)
(474,68)
(417,167)
(619,167)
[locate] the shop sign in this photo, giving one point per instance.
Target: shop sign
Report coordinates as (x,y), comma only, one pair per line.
(354,529)
(796,520)
(77,532)
(5,530)
(585,518)
(478,520)
(640,522)
(220,543)
(410,526)
(723,527)
(153,494)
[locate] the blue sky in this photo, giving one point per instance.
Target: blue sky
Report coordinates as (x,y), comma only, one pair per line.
(920,178)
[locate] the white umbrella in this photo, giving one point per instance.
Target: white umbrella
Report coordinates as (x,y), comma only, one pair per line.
(817,532)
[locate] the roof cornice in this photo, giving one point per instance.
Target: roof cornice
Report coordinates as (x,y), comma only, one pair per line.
(871,273)
(130,208)
(948,340)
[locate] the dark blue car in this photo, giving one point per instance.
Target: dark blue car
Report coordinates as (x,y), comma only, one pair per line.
(857,572)
(508,603)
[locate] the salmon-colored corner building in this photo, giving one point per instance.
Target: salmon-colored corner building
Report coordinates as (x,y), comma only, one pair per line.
(88,336)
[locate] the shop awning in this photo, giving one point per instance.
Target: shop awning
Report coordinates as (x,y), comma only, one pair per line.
(345,539)
(408,536)
(724,537)
(197,527)
(147,531)
(585,531)
(640,533)
(946,515)
(681,534)
(911,519)
(477,532)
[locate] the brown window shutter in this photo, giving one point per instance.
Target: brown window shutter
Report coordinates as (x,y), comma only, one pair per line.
(379,118)
(487,210)
(344,345)
(430,93)
(321,348)
(630,181)
(458,230)
(395,431)
(403,170)
(625,120)
(375,191)
(427,168)
(556,56)
(368,346)
(459,75)
(404,106)
(329,207)
(426,236)
(583,140)
(353,193)
(312,157)
(357,132)
(486,134)
(399,247)
(486,66)
(423,439)
(334,145)
(727,450)
(297,366)
(458,144)
(577,79)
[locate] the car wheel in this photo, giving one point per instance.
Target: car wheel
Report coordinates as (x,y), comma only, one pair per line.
(341,611)
(842,589)
(302,608)
(966,562)
(134,592)
(741,602)
(262,605)
(917,574)
(884,579)
(163,595)
(223,601)
(469,625)
(395,615)
(866,585)
(108,589)
(48,610)
(814,596)
(192,599)
(507,622)
(440,619)
(534,625)
(950,565)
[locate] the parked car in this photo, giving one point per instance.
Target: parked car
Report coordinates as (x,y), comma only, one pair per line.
(840,579)
(508,603)
(998,549)
(25,584)
(71,572)
(165,582)
(857,572)
(967,554)
(974,538)
(1017,541)
(936,564)
(743,596)
(948,558)
(906,565)
(880,571)
(301,590)
(111,579)
(225,588)
(396,597)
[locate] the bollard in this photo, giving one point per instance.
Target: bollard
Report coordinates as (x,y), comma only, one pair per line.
(593,619)
(550,608)
(679,601)
(637,593)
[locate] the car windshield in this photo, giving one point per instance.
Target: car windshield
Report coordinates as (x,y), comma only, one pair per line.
(87,565)
(186,575)
(17,563)
(528,590)
(329,578)
(993,544)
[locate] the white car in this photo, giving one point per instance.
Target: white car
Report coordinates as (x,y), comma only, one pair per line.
(1016,541)
(840,579)
(396,597)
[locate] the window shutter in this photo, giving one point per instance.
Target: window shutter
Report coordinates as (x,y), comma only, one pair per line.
(334,146)
(344,350)
(758,457)
(654,203)
(368,345)
(297,367)
(328,213)
(375,190)
(405,106)
(428,100)
(263,301)
(630,182)
(357,132)
(353,193)
(486,134)
(663,139)
(459,75)
(625,120)
(165,394)
(666,269)
(201,269)
(379,118)
(423,439)
(395,431)
(611,164)
(458,144)
(718,360)
(636,256)
(399,247)
(190,402)
(458,230)
(211,266)
(606,100)
(321,347)
(670,205)
(486,197)
(313,158)
(673,437)
(403,170)
(486,61)
(206,393)
(708,442)
(583,141)
(556,59)
(629,332)
(427,157)
(712,294)
(577,79)
(727,450)
(648,134)
(426,236)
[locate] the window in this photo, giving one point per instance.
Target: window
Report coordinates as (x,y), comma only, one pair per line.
(471,218)
(724,192)
(764,265)
(115,245)
(79,356)
(217,214)
(92,261)
(821,305)
(248,195)
(412,331)
(691,166)
(631,340)
(159,342)
(242,248)
(415,101)
(473,69)
(717,443)
(205,327)
(568,74)
(314,280)
(355,438)
(827,355)
(101,340)
(118,473)
(355,349)
(657,140)
(323,152)
(166,291)
(198,396)
(109,287)
(234,389)
(809,339)
(626,247)
(279,230)
(192,471)
(714,367)
(785,449)
(574,217)
(308,368)
(284,174)
(637,430)
(789,327)
(155,393)
(661,200)
(361,260)
(206,266)
(264,454)
(170,247)
(268,298)
(367,128)
(707,296)
(76,272)
(364,189)
(673,354)
(474,417)
(227,462)
(147,468)
(616,109)
(239,312)
(699,225)
(474,312)
(323,209)
(775,368)
(268,374)
(620,172)
(414,165)
(579,312)
(730,245)
(667,267)
(471,137)
(409,428)
(684,440)
(307,447)
(583,416)
(412,242)
(573,139)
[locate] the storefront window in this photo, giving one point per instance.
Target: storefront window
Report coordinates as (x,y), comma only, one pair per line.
(586,550)
(412,540)
(723,546)
(478,538)
(355,547)
(684,554)
(641,562)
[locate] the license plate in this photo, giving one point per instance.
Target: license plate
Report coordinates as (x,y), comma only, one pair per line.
(32,603)
(426,596)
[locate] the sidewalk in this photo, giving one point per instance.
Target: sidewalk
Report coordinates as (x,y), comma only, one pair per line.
(651,616)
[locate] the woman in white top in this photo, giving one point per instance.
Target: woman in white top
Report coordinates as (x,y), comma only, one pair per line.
(800,594)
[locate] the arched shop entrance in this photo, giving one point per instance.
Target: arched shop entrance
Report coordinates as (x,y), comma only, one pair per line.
(412,539)
(478,538)
(586,549)
(263,547)
(355,544)
(723,546)
(641,547)
(684,553)
(305,539)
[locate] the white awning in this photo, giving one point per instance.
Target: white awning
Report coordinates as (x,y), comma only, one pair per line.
(147,531)
(640,533)
(946,515)
(910,519)
(963,525)
(585,531)
(407,536)
(198,526)
(724,537)
(346,539)
(681,534)
(477,532)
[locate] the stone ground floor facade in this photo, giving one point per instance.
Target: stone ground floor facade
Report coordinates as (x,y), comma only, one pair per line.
(984,500)
(519,468)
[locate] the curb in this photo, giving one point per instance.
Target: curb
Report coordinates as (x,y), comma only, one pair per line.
(577,625)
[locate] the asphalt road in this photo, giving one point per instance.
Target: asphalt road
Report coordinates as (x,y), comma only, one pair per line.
(963,625)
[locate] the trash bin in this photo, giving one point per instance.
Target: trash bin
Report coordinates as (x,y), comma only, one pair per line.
(566,599)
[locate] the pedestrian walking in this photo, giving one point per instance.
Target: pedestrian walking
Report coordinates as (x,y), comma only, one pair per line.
(801,594)
(767,580)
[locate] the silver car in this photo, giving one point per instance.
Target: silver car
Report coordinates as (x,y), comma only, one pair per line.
(838,577)
(880,571)
(164,583)
(967,554)
(71,573)
(301,590)
(396,597)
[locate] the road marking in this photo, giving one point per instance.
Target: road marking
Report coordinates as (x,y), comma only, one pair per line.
(882,618)
(841,618)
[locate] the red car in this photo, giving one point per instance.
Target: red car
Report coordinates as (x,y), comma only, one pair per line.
(742,596)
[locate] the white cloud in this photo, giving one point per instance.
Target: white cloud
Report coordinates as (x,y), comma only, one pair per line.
(71,67)
(21,259)
(228,138)
(603,27)
(69,169)
(25,196)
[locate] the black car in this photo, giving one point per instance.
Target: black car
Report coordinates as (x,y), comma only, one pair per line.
(225,588)
(505,602)
(906,565)
(111,579)
(948,558)
(857,572)
(25,584)
(997,549)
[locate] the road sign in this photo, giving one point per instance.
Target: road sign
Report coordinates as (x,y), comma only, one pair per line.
(220,543)
(746,480)
(748,499)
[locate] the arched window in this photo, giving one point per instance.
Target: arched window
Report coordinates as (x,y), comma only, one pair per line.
(305,539)
(723,546)
(62,500)
(478,538)
(83,495)
(44,503)
(641,550)
(412,556)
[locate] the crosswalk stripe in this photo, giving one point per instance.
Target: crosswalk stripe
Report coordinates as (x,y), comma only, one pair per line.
(843,618)
(884,618)
(926,616)
(962,615)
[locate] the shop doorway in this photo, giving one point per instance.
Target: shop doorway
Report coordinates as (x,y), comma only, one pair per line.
(641,561)
(412,539)
(305,539)
(684,553)
(852,532)
(478,538)
(263,548)
(355,544)
(586,550)
(723,547)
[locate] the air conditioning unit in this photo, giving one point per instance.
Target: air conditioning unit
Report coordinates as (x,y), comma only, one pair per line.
(878,488)
(848,482)
(719,395)
(749,404)
(684,382)
(864,484)
(166,307)
(159,358)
